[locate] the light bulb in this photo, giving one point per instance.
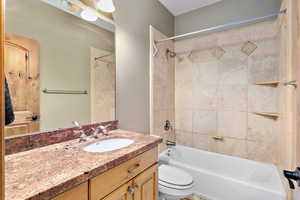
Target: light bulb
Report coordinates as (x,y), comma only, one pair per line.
(106,5)
(65,4)
(88,15)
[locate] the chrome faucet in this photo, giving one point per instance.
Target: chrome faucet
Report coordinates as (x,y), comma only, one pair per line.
(103,129)
(81,131)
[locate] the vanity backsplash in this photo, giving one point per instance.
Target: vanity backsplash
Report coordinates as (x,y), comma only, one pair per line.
(16,144)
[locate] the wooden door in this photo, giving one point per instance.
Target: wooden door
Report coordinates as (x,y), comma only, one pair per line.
(22,73)
(125,192)
(146,185)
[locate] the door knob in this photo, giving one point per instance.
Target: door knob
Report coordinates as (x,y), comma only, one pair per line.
(35,117)
(292,176)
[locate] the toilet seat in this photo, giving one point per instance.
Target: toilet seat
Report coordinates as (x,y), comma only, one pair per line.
(174,178)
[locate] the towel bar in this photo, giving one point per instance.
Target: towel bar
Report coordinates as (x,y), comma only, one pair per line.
(64,91)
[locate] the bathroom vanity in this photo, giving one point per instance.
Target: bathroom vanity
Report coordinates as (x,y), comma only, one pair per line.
(135,179)
(65,171)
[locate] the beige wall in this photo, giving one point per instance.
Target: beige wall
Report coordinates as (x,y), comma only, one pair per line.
(216,92)
(65,43)
(223,12)
(133,18)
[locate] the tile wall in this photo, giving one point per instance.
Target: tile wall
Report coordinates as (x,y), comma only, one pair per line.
(103,86)
(162,88)
(225,86)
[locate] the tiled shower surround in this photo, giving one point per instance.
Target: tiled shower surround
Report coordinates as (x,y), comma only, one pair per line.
(216,92)
(162,80)
(220,104)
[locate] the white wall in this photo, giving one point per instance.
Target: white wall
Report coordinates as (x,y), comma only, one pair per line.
(133,18)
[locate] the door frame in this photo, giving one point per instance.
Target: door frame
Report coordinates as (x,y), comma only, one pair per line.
(296,161)
(2,149)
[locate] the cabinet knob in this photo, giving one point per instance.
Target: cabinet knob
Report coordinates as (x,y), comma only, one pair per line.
(133,169)
(130,190)
(137,186)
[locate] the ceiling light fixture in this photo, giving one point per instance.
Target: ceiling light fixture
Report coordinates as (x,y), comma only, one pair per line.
(65,4)
(88,15)
(106,6)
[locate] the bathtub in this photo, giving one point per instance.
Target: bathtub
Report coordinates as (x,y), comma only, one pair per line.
(222,177)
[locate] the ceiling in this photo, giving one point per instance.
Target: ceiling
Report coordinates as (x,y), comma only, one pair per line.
(178,7)
(100,23)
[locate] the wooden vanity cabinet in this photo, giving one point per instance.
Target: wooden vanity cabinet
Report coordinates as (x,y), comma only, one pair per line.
(135,179)
(122,193)
(78,193)
(143,187)
(146,185)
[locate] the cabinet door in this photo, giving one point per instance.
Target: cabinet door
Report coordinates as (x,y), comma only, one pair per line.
(146,185)
(105,183)
(125,192)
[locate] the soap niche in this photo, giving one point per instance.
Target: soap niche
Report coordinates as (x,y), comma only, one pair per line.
(263,99)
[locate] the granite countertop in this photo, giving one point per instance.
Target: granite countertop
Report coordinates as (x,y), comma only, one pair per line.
(43,173)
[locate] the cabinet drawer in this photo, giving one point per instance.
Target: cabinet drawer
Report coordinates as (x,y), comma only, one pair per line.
(78,193)
(121,193)
(107,182)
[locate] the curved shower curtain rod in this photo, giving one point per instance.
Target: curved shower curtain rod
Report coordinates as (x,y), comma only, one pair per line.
(224,26)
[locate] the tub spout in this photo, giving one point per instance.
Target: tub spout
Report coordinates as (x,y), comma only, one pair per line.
(170,143)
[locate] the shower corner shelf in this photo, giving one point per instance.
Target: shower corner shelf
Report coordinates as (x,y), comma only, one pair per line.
(268,114)
(270,83)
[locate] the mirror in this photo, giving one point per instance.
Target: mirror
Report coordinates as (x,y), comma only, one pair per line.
(59,67)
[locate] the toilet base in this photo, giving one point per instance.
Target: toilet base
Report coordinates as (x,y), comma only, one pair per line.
(173,194)
(170,197)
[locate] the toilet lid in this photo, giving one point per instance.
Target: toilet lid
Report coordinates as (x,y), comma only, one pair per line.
(174,177)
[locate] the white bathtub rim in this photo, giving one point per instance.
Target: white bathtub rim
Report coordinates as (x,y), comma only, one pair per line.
(177,164)
(225,156)
(269,165)
(279,191)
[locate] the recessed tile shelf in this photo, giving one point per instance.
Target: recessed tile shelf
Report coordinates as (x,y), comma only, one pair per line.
(269,84)
(267,114)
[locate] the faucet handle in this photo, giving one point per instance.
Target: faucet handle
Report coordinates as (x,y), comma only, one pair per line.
(108,125)
(77,131)
(104,129)
(292,175)
(76,123)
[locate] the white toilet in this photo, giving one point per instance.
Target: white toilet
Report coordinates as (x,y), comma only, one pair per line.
(174,183)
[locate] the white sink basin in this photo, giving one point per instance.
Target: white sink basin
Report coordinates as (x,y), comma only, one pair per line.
(108,145)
